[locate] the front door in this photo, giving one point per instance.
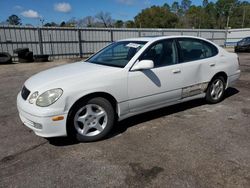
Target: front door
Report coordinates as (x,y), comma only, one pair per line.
(157,86)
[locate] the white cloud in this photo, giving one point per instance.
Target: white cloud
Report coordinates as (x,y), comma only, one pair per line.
(30,14)
(62,7)
(18,7)
(126,2)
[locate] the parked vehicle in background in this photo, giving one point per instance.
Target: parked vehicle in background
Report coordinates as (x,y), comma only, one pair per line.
(243,45)
(128,77)
(5,58)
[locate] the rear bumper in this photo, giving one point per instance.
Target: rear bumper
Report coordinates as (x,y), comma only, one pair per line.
(42,126)
(233,78)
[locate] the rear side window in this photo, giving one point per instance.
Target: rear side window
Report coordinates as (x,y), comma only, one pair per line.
(195,49)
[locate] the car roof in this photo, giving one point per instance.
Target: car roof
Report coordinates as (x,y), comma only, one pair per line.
(156,38)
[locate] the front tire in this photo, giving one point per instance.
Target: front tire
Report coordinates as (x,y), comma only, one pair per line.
(91,120)
(216,89)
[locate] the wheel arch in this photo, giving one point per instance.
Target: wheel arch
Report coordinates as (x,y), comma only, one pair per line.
(89,96)
(221,73)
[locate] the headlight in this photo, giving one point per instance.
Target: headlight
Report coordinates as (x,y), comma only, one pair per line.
(33,97)
(49,97)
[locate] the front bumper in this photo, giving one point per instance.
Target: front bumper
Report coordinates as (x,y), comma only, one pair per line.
(42,125)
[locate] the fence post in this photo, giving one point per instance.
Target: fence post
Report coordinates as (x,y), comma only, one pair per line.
(213,36)
(111,35)
(225,42)
(80,43)
(40,40)
(139,33)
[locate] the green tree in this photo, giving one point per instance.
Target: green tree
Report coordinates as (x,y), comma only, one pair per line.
(240,16)
(119,23)
(14,20)
(175,7)
(130,24)
(51,24)
(62,24)
(210,16)
(166,6)
(224,9)
(195,16)
(156,17)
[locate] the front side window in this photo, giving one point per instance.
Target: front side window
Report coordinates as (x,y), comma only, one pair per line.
(195,49)
(117,54)
(162,53)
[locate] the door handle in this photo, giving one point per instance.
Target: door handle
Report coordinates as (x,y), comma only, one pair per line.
(176,71)
(212,64)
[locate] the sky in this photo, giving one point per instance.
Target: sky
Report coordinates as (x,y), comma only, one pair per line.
(30,11)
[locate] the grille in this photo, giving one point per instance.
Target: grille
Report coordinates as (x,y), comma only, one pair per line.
(25,93)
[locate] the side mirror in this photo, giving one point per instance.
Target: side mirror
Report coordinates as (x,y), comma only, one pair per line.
(143,65)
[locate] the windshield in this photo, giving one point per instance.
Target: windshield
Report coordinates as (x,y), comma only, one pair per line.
(117,54)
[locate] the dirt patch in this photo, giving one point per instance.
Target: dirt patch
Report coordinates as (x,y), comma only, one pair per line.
(246,111)
(142,177)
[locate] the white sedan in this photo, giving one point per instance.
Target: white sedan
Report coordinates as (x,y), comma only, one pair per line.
(128,77)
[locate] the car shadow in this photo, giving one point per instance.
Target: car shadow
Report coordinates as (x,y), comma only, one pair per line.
(62,141)
(123,125)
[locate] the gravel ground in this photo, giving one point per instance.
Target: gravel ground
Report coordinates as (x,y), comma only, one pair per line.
(187,145)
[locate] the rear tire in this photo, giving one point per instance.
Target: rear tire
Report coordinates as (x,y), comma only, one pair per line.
(26,58)
(21,50)
(41,58)
(91,120)
(216,89)
(5,58)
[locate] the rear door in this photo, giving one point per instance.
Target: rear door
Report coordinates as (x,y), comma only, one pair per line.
(198,64)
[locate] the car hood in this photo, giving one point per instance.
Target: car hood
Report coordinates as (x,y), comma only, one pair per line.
(70,74)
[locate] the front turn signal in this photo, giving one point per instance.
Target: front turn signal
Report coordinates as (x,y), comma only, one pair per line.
(57,118)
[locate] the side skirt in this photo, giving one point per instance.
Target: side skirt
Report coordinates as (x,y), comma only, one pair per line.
(197,96)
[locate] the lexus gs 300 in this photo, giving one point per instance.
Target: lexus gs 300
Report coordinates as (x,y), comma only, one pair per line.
(83,100)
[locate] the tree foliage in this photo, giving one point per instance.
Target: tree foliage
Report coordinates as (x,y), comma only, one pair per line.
(119,24)
(156,17)
(209,15)
(50,24)
(14,20)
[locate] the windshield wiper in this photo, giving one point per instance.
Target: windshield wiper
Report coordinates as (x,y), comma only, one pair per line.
(101,63)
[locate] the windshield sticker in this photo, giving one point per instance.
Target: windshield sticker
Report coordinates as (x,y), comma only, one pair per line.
(133,45)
